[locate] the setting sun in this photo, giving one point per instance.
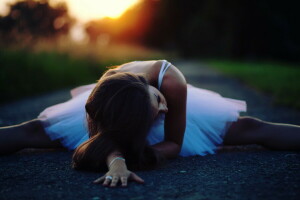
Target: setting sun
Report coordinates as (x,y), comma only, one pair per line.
(85,10)
(94,9)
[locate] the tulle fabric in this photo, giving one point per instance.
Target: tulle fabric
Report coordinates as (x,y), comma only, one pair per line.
(67,121)
(209,116)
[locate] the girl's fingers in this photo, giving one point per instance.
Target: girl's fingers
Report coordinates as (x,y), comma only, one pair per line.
(99,180)
(114,181)
(124,181)
(106,181)
(136,178)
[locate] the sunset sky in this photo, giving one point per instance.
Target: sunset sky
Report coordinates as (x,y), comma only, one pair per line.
(85,10)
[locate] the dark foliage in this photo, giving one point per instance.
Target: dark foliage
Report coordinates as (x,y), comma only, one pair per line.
(30,20)
(225,29)
(235,29)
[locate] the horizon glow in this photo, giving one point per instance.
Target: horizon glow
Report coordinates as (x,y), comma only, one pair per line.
(85,10)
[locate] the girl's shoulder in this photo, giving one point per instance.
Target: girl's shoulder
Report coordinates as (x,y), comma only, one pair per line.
(173,79)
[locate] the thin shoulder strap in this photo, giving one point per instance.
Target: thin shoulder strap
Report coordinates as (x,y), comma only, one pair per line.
(165,65)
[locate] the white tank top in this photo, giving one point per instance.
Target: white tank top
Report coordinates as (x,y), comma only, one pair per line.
(164,67)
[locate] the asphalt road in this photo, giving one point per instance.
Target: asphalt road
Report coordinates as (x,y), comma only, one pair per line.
(249,172)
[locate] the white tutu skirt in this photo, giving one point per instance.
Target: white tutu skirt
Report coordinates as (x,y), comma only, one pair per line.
(209,115)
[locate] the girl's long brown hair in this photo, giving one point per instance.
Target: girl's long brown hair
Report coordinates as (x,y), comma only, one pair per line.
(119,116)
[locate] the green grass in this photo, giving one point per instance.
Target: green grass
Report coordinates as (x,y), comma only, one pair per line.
(24,74)
(281,81)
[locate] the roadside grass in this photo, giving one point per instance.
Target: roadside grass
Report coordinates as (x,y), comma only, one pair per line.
(34,71)
(281,81)
(24,74)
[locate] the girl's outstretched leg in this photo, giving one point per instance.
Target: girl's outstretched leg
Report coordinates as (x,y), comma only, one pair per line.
(248,130)
(30,134)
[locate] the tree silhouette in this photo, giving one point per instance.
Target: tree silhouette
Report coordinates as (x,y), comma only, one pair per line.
(31,20)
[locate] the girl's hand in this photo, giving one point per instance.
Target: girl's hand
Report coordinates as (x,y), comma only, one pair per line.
(118,172)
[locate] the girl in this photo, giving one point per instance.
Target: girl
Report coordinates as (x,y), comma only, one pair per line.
(139,114)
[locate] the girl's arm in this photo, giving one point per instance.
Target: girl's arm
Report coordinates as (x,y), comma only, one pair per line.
(174,89)
(117,172)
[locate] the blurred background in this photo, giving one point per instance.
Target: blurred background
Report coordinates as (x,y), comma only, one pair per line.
(47,45)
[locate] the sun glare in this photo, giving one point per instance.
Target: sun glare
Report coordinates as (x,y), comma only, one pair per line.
(95,9)
(85,10)
(4,9)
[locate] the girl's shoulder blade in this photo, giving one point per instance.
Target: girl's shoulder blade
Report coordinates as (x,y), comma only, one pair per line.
(150,69)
